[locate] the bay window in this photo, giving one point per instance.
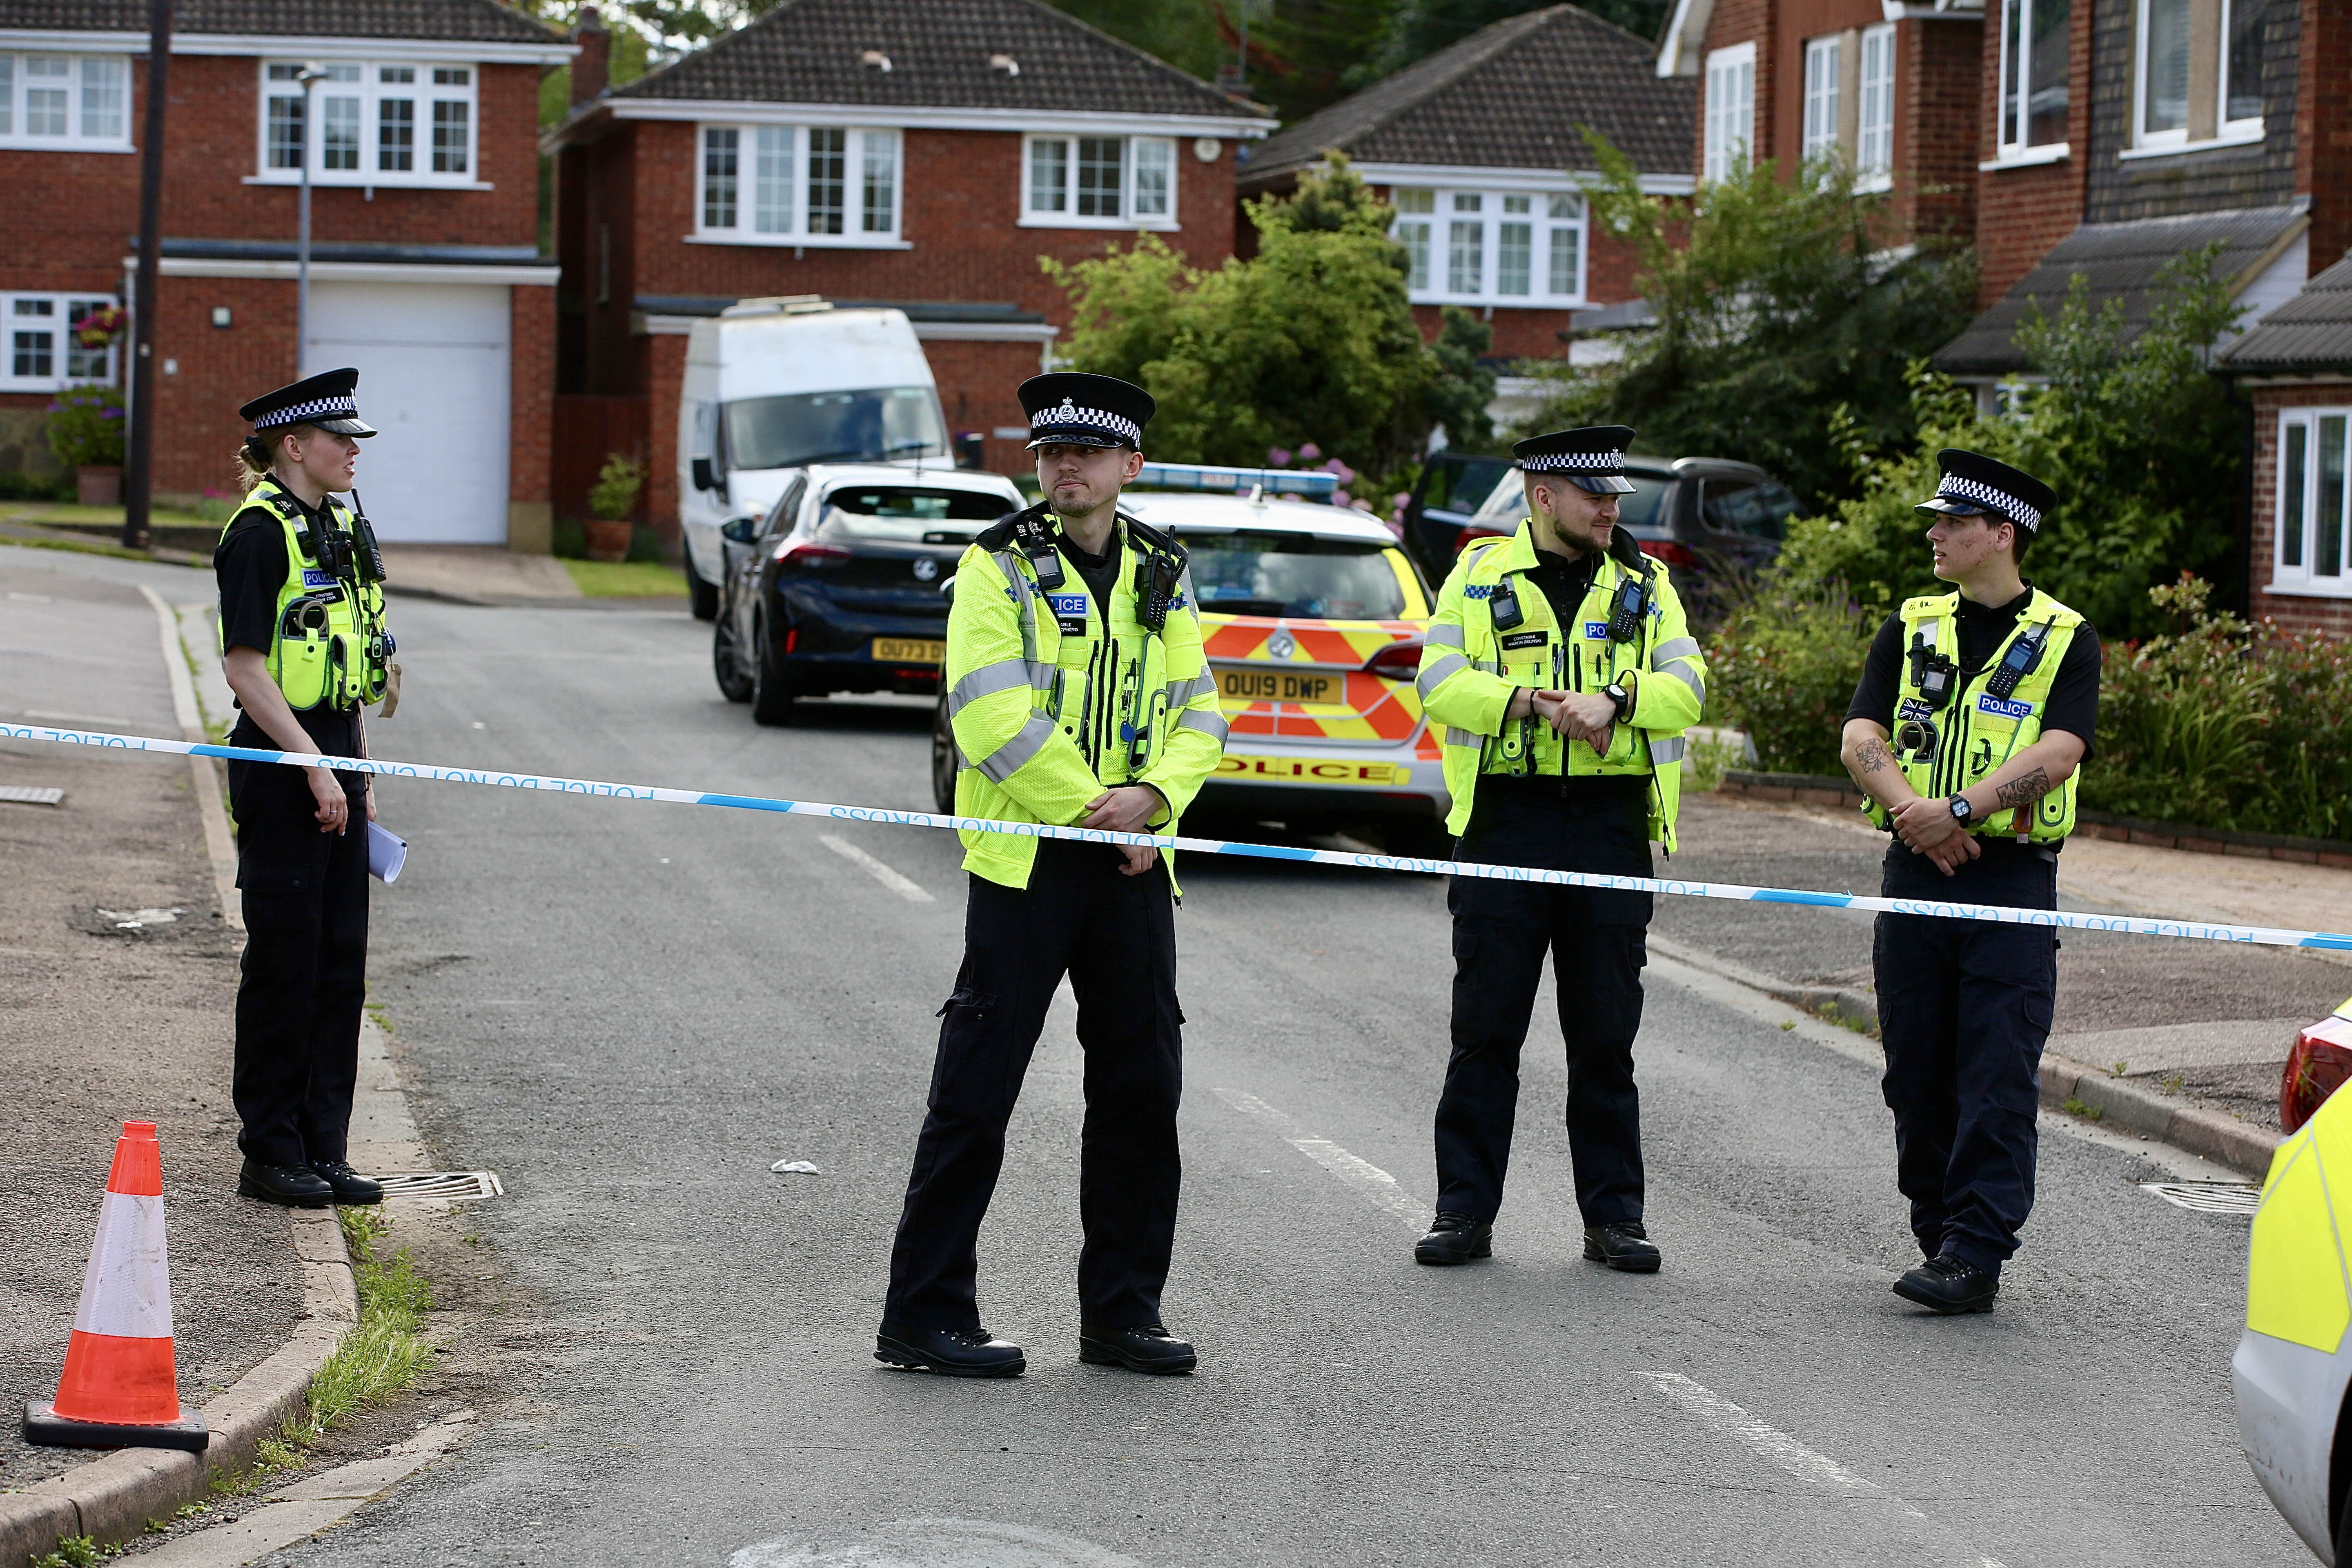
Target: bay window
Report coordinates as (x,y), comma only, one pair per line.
(1822,71)
(80,102)
(379,124)
(1873,133)
(1730,126)
(1098,182)
(797,185)
(2315,503)
(1491,246)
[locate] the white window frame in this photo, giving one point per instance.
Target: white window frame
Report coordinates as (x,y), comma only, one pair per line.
(1874,124)
(865,151)
(1824,62)
(2309,530)
(1427,233)
(2024,149)
(2183,137)
(1730,133)
(371,91)
(1158,149)
(56,325)
(89,81)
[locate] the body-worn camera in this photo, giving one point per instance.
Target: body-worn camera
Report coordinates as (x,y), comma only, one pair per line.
(1502,605)
(1932,672)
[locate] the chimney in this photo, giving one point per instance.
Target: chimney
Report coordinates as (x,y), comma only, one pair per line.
(592,67)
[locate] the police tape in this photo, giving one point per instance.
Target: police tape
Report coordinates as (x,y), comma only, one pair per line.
(2137,925)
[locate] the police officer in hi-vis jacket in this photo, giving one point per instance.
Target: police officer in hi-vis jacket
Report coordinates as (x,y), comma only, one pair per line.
(1078,696)
(305,649)
(1975,709)
(1562,673)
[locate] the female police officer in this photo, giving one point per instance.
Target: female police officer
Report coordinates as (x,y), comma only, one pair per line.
(301,608)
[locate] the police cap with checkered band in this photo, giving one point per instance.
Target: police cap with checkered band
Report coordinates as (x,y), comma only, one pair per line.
(1974,485)
(1592,459)
(1071,408)
(325,400)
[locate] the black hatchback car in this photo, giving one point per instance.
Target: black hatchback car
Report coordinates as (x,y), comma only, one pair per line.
(837,587)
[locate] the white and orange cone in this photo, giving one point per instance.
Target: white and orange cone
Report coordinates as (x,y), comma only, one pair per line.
(120,1389)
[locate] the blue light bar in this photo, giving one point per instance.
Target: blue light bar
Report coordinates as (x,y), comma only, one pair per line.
(1238,481)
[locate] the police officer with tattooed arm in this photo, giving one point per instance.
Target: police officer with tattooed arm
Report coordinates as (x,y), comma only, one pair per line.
(1977,708)
(1079,695)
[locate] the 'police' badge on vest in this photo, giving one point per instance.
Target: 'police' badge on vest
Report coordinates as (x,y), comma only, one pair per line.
(1070,610)
(314,578)
(1595,630)
(1987,703)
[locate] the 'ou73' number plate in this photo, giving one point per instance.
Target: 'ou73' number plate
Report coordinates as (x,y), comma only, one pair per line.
(909,650)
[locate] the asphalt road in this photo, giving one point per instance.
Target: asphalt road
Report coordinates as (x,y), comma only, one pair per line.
(630,1010)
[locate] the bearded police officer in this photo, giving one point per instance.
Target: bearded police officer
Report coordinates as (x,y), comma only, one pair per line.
(1078,694)
(1563,674)
(301,623)
(1975,711)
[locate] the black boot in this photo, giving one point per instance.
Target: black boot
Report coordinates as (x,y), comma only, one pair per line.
(957,1352)
(1455,1238)
(1625,1246)
(1949,1284)
(294,1186)
(349,1186)
(1148,1349)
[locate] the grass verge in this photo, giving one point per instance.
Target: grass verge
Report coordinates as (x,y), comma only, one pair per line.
(627,579)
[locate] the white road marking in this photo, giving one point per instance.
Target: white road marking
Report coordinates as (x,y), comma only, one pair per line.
(1768,1442)
(874,868)
(1359,1173)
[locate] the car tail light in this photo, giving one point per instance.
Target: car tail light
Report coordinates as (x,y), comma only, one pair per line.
(1398,662)
(1668,551)
(791,639)
(2317,1064)
(805,554)
(1471,536)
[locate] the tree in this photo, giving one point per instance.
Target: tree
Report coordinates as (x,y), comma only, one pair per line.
(1312,340)
(1416,29)
(1777,301)
(2140,443)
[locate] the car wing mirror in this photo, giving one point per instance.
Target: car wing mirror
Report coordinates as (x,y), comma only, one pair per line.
(706,474)
(737,530)
(947,588)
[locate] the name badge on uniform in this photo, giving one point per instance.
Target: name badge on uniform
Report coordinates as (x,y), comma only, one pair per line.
(1987,703)
(1595,630)
(314,578)
(1524,639)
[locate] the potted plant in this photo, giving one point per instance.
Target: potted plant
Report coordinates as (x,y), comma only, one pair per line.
(86,433)
(610,499)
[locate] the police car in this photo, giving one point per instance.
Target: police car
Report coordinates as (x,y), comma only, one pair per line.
(1312,619)
(2292,1365)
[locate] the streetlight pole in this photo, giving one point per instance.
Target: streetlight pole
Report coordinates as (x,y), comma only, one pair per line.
(139,480)
(312,75)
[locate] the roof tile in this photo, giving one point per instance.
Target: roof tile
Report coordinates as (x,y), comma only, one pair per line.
(471,21)
(2311,333)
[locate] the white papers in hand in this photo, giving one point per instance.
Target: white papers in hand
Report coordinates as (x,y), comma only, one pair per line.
(387,852)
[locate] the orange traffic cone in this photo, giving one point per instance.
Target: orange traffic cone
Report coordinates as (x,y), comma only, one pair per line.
(119,1390)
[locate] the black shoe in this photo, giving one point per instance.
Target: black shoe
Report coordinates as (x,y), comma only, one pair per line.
(1148,1349)
(957,1352)
(1455,1238)
(1949,1284)
(350,1186)
(295,1186)
(1625,1246)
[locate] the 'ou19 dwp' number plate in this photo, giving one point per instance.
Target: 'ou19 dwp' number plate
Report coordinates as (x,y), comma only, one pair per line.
(909,650)
(1260,683)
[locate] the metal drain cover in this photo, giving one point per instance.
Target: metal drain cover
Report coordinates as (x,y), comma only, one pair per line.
(444,1184)
(2209,1197)
(33,795)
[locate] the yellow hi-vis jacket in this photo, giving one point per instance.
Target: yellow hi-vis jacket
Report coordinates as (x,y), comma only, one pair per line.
(328,645)
(1975,732)
(1472,666)
(1054,698)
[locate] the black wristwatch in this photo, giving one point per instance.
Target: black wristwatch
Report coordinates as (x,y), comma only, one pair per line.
(1961,810)
(1615,691)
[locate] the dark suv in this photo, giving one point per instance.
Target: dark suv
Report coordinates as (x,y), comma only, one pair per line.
(1698,515)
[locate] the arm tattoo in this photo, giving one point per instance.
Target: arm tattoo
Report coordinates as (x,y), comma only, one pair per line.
(1872,755)
(2025,791)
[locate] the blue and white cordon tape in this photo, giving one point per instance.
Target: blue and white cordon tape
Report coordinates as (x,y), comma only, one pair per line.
(2137,925)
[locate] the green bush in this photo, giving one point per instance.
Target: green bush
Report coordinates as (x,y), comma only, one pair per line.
(86,428)
(1784,667)
(614,493)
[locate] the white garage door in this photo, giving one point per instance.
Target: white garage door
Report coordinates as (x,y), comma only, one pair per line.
(433,361)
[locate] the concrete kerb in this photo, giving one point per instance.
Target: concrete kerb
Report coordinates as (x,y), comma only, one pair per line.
(2118,1104)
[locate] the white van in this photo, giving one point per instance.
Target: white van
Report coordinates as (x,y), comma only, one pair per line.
(775,385)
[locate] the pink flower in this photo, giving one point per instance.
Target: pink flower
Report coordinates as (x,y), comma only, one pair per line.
(1341,498)
(1277,457)
(1346,475)
(1309,452)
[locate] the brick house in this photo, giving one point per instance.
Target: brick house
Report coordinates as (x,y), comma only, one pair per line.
(2296,369)
(425,273)
(920,153)
(1480,149)
(1890,86)
(2119,134)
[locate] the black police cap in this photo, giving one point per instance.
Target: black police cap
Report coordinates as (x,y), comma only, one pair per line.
(1592,459)
(325,400)
(1974,483)
(1072,409)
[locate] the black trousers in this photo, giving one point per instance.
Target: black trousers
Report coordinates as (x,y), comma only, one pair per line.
(1597,940)
(1964,1008)
(305,970)
(1115,936)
